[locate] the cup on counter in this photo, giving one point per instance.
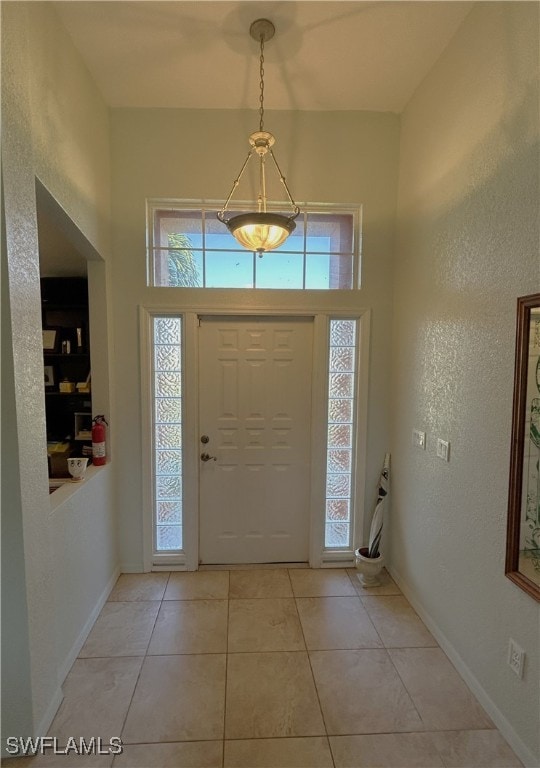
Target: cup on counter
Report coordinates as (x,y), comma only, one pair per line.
(77,468)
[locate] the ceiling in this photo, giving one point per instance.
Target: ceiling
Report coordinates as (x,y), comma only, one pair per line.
(198,54)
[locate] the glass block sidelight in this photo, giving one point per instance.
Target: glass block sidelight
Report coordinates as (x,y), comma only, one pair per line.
(167,432)
(342,377)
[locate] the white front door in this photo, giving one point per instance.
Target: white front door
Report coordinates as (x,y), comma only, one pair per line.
(255,423)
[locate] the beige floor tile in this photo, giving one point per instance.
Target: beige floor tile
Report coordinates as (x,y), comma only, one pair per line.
(278,753)
(50,760)
(264,625)
(336,622)
(252,566)
(378,717)
(388,750)
(199,585)
(440,695)
(178,698)
(97,693)
(387,587)
(121,629)
(325,582)
(361,692)
(190,626)
(397,623)
(139,586)
(263,583)
(187,754)
(481,749)
(271,695)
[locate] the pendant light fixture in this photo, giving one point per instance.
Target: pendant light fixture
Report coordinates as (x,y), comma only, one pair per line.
(262,230)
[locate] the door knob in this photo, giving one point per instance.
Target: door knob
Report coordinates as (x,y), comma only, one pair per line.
(205,439)
(207,457)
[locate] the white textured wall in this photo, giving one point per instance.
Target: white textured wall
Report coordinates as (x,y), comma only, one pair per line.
(15,644)
(31,501)
(85,559)
(54,126)
(327,157)
(468,245)
(70,127)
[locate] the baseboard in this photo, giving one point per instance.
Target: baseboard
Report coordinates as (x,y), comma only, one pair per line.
(504,726)
(85,631)
(131,568)
(42,727)
(52,709)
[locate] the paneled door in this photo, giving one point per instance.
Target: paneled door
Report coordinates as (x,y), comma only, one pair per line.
(255,424)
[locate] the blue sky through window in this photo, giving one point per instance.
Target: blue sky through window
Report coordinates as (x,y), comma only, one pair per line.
(276,269)
(191,248)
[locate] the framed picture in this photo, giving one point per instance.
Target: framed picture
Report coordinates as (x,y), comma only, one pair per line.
(50,339)
(49,376)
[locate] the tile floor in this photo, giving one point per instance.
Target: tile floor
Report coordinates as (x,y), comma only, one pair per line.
(269,668)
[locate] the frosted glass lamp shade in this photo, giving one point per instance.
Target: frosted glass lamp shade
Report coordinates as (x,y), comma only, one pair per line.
(260,232)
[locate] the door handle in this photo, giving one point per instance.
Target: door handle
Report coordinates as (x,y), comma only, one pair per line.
(207,457)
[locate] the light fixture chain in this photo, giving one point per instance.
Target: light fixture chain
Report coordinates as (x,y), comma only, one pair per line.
(261,97)
(262,230)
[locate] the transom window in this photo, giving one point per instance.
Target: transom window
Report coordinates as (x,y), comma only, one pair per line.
(188,247)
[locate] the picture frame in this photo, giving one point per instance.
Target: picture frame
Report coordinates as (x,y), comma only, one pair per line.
(49,374)
(522,564)
(50,339)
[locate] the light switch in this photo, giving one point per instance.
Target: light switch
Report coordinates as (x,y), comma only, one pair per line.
(419,439)
(443,449)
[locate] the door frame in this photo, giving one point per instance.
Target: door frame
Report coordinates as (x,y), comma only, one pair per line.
(318,556)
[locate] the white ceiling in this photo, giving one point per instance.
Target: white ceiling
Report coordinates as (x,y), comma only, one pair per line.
(354,55)
(197,54)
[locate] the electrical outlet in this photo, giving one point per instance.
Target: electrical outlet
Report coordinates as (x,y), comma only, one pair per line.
(419,439)
(443,449)
(516,658)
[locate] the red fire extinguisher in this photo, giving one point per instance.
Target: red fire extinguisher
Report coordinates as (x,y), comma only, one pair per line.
(99,450)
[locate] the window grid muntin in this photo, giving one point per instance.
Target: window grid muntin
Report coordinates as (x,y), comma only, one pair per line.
(167,486)
(340,458)
(339,216)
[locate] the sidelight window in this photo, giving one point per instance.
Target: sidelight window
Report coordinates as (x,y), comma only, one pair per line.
(340,454)
(167,432)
